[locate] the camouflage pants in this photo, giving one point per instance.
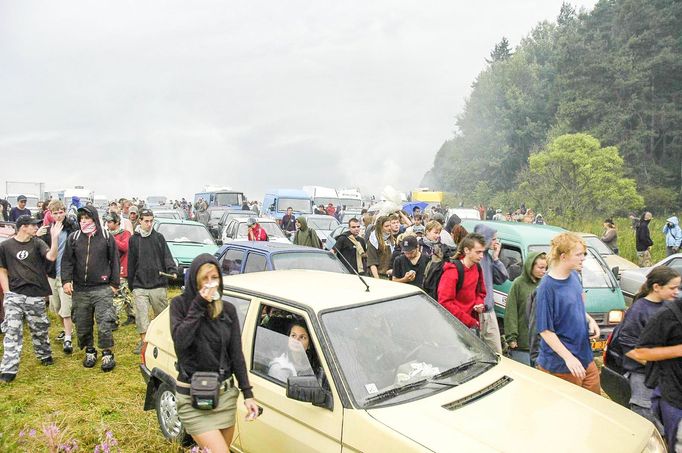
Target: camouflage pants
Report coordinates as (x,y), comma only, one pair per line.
(18,307)
(123,300)
(91,306)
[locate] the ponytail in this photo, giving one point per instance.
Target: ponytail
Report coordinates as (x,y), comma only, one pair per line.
(661,275)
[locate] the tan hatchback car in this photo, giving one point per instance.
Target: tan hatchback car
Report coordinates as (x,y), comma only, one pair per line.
(387,370)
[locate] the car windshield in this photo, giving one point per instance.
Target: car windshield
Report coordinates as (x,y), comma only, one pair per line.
(301,205)
(351,203)
(593,274)
(384,346)
(270,228)
(323,223)
(598,245)
(178,232)
(325,201)
(217,214)
(229,199)
(304,260)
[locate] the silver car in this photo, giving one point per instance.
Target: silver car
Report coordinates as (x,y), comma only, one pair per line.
(632,280)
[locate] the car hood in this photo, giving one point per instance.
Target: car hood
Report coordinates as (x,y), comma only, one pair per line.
(186,251)
(622,263)
(531,413)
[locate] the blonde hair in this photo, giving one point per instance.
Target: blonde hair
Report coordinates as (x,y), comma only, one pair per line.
(564,243)
(215,307)
(433,224)
(55,205)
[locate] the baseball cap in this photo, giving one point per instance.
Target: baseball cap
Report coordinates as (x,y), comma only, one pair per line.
(251,221)
(409,244)
(27,220)
(133,209)
(112,217)
(418,229)
(21,198)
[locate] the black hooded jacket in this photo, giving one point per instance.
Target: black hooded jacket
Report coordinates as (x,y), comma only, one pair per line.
(198,338)
(91,262)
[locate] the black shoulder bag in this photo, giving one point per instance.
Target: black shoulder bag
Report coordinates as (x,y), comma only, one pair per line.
(204,389)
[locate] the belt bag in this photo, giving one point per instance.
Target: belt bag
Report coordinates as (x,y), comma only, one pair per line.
(204,390)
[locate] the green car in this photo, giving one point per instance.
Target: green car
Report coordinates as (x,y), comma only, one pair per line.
(605,302)
(186,240)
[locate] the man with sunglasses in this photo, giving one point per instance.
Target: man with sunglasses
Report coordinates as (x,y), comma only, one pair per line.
(19,210)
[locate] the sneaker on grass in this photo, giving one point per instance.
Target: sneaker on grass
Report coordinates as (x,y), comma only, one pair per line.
(68,347)
(108,362)
(47,361)
(90,357)
(138,348)
(7,377)
(61,336)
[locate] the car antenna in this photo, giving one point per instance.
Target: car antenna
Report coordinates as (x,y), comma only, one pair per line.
(354,270)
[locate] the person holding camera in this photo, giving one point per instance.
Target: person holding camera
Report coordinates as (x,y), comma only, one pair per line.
(673,235)
(208,346)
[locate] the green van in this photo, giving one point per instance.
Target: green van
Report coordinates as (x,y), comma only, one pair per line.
(605,302)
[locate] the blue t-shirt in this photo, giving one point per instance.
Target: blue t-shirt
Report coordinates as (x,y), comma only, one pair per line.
(560,309)
(61,246)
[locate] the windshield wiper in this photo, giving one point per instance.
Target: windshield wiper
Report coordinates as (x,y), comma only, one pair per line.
(460,367)
(391,393)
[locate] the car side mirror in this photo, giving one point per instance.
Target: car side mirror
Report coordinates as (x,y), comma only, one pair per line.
(219,242)
(616,272)
(309,390)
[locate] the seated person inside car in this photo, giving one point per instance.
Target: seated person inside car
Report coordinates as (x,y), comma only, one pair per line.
(299,359)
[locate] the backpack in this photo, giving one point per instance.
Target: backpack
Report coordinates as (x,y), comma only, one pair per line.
(434,271)
(613,351)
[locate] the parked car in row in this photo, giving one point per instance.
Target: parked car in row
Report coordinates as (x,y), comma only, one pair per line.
(383,382)
(632,280)
(604,301)
(241,257)
(322,224)
(238,230)
(228,215)
(186,240)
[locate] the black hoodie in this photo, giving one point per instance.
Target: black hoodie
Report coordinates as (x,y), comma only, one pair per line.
(91,262)
(198,338)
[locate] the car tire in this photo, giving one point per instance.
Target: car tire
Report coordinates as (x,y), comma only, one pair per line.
(167,415)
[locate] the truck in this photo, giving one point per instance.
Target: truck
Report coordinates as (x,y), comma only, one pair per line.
(276,202)
(351,199)
(221,196)
(322,195)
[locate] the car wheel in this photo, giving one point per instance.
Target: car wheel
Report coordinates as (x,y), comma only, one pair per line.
(167,415)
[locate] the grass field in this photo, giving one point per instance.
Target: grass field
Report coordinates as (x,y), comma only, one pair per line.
(83,403)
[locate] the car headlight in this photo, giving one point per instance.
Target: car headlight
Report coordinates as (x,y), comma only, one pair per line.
(655,444)
(615,316)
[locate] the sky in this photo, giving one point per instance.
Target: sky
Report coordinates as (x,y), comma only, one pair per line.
(138,98)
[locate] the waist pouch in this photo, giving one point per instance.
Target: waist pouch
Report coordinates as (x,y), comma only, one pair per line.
(204,390)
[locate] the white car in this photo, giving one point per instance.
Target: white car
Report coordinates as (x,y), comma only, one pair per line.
(631,280)
(237,230)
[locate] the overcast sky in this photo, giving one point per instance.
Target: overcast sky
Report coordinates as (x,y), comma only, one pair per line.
(163,97)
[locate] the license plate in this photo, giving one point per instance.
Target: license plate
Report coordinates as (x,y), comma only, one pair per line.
(598,345)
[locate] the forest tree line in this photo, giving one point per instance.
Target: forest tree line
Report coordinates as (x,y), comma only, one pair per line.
(613,74)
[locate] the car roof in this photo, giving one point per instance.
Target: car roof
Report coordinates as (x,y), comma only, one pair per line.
(272,247)
(311,288)
(317,216)
(526,233)
(258,219)
(177,221)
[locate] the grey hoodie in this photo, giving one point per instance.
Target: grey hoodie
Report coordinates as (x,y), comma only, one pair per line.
(494,272)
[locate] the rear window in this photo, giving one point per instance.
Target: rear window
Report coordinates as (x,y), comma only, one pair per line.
(303,260)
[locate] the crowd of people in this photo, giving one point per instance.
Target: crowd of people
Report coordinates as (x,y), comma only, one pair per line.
(93,273)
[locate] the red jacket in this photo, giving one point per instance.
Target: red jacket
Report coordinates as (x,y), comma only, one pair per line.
(257,233)
(462,304)
(122,240)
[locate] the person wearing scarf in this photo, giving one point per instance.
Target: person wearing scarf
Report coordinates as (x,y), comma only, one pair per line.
(380,249)
(305,235)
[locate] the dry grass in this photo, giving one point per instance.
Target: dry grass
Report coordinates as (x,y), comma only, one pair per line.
(84,403)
